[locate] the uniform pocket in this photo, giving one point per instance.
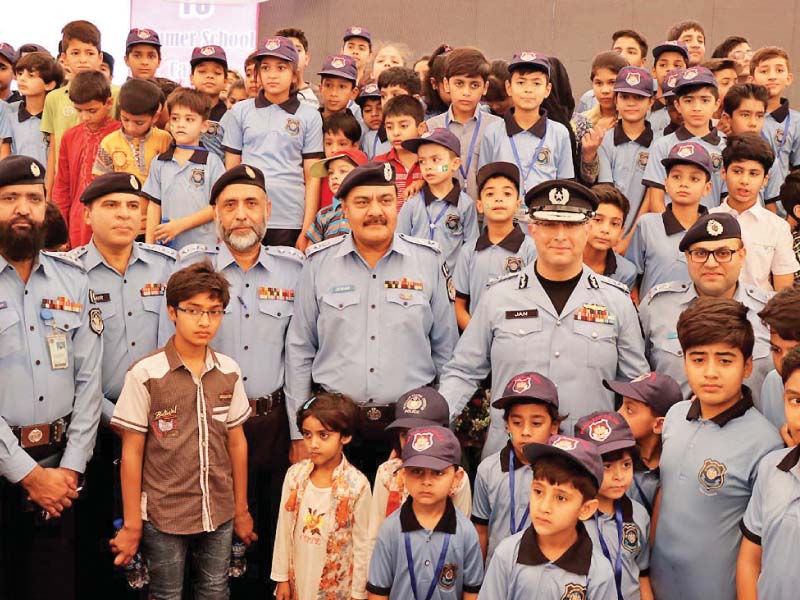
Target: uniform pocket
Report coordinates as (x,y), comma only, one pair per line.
(599,340)
(10,337)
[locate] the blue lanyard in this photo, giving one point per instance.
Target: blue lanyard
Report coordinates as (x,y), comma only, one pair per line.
(604,547)
(461,168)
(511,478)
(436,574)
(432,223)
(522,171)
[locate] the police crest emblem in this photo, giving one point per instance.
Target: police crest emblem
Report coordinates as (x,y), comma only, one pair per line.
(712,474)
(448,577)
(292,126)
(574,591)
(641,159)
(143,34)
(198,177)
(559,195)
(527,56)
(453,222)
(414,404)
(779,136)
(685,151)
(513,264)
(544,156)
(690,74)
(207,51)
(600,430)
(96,321)
(338,62)
(716,161)
(119,159)
(633,78)
(521,384)
(35,170)
(630,537)
(422,441)
(272,44)
(565,443)
(714,227)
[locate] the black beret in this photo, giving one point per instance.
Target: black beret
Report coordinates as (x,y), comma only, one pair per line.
(560,200)
(710,228)
(20,170)
(239,174)
(112,183)
(497,169)
(371,173)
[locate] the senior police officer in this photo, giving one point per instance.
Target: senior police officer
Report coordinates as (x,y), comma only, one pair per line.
(715,255)
(373,316)
(555,317)
(50,352)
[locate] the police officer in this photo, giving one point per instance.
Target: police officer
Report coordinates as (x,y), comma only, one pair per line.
(555,317)
(714,255)
(50,352)
(263,283)
(372,316)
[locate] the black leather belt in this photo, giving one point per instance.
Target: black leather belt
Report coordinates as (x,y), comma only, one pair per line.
(266,404)
(44,439)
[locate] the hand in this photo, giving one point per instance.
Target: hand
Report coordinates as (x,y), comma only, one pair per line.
(243,528)
(283,591)
(166,232)
(298,451)
(724,124)
(52,489)
(591,142)
(302,242)
(787,436)
(71,475)
(412,189)
(125,544)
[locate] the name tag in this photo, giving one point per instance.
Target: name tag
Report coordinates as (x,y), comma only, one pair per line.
(528,313)
(95,297)
(342,289)
(57,346)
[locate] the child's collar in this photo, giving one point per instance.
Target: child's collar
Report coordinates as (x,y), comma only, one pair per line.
(505,455)
(644,139)
(451,197)
(512,242)
(744,404)
(625,504)
(409,522)
(576,559)
(712,137)
(539,129)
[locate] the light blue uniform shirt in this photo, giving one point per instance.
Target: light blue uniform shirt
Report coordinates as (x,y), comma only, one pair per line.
(645,486)
(374,142)
(782,130)
(659,121)
(587,101)
(620,269)
(369,333)
(26,132)
(772,404)
(33,392)
(516,329)
(213,137)
(276,139)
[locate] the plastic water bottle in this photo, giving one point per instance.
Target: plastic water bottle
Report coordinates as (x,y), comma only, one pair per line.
(238,559)
(136,570)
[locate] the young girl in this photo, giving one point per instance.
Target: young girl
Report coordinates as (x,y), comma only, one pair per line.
(389,54)
(437,99)
(321,548)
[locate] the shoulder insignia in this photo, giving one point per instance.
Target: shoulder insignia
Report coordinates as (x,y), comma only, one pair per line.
(593,283)
(76,253)
(757,294)
(433,245)
(65,258)
(672,286)
(287,252)
(598,279)
(314,248)
(500,278)
(191,249)
(523,281)
(164,250)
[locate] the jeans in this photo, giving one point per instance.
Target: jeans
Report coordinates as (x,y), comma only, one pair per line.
(165,555)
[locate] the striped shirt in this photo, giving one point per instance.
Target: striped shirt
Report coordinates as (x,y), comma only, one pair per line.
(403,177)
(329,222)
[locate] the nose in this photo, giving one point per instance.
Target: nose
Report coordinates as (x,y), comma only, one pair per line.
(204,319)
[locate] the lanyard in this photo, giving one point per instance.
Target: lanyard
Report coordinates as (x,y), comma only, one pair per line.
(648,507)
(432,223)
(436,574)
(522,171)
(511,478)
(604,547)
(461,168)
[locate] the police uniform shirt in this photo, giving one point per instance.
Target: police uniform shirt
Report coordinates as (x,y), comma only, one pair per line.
(491,504)
(374,142)
(276,138)
(481,262)
(772,522)
(183,190)
(451,221)
(659,311)
(782,130)
(635,562)
(516,329)
(659,121)
(772,404)
(520,570)
(25,132)
(212,138)
(708,468)
(646,482)
(33,392)
(655,174)
(130,304)
(620,269)
(372,334)
(622,163)
(548,139)
(586,102)
(5,122)
(461,572)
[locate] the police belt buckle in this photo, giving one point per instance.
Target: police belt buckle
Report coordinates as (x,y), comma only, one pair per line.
(374,413)
(266,404)
(33,436)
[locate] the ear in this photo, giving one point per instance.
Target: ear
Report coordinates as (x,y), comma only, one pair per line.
(50,86)
(588,509)
(446,84)
(485,88)
(479,207)
(457,480)
(126,61)
(346,439)
(548,89)
(172,313)
(658,426)
(707,188)
(455,162)
(204,127)
(766,179)
(508,87)
(748,367)
(422,128)
(86,211)
(354,93)
(717,104)
(796,211)
(432,81)
(790,79)
(110,102)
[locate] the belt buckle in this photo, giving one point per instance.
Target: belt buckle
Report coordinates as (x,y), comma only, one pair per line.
(266,404)
(33,436)
(373,414)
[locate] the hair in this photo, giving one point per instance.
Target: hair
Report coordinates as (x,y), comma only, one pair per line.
(88,86)
(336,412)
(716,321)
(237,85)
(294,32)
(742,91)
(607,193)
(402,49)
(140,97)
(790,193)
(674,32)
(466,62)
(153,46)
(790,364)
(635,35)
(498,75)
(555,416)
(353,84)
(344,122)
(560,104)
(748,146)
(436,62)
(199,278)
(43,65)
(780,313)
(250,60)
(402,77)
(557,470)
(55,227)
(194,100)
(425,58)
(615,455)
(727,45)
(108,60)
(404,106)
(607,60)
(766,53)
(83,31)
(715,65)
(28,48)
(692,88)
(219,61)
(167,86)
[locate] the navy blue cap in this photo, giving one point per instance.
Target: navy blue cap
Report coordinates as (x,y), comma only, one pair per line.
(671,46)
(440,136)
(670,81)
(560,200)
(688,153)
(695,76)
(278,47)
(608,430)
(421,407)
(19,169)
(7,51)
(368,92)
(528,388)
(142,36)
(371,173)
(497,169)
(659,391)
(239,174)
(634,80)
(580,452)
(431,448)
(112,183)
(535,61)
(359,32)
(711,227)
(340,65)
(204,53)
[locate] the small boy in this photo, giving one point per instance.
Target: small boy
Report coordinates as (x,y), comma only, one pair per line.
(790,201)
(712,445)
(369,99)
(357,44)
(440,211)
(664,117)
(427,546)
(693,35)
(8,57)
(209,75)
(404,119)
(654,245)
(180,180)
(645,402)
(554,558)
(143,53)
(767,238)
(190,491)
(744,108)
(621,526)
(107,66)
(305,91)
(667,56)
(338,85)
(765,568)
(605,232)
(502,247)
(340,132)
(398,81)
(502,484)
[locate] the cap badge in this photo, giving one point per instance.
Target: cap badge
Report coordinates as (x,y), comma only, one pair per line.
(690,74)
(207,51)
(415,404)
(387,171)
(338,62)
(565,443)
(528,56)
(633,78)
(559,195)
(370,88)
(422,441)
(35,170)
(35,435)
(642,377)
(672,80)
(134,183)
(685,151)
(521,384)
(250,173)
(355,30)
(143,34)
(714,228)
(600,430)
(272,44)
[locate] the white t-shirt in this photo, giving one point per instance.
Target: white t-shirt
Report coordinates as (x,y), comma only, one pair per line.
(311,540)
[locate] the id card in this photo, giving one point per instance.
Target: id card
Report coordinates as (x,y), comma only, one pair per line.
(57,345)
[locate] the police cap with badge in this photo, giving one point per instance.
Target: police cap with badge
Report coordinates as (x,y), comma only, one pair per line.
(21,170)
(689,153)
(711,227)
(561,200)
(498,169)
(278,47)
(241,174)
(371,173)
(112,183)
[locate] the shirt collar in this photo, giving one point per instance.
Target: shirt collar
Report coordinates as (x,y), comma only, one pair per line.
(780,113)
(93,257)
(744,404)
(659,104)
(174,360)
(790,460)
(539,129)
(23,114)
(451,117)
(712,137)
(645,138)
(756,210)
(225,257)
(577,559)
(611,263)
(290,106)
(409,522)
(671,224)
(199,157)
(639,466)
(671,128)
(451,197)
(348,246)
(512,242)
(218,111)
(505,459)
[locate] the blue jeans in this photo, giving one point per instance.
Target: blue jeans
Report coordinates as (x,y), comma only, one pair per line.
(165,555)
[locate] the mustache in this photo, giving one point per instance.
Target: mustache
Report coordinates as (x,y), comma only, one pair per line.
(375,221)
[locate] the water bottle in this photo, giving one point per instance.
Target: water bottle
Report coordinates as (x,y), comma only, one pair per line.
(238,559)
(135,571)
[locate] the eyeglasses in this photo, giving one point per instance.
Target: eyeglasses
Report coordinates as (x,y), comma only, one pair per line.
(721,255)
(196,314)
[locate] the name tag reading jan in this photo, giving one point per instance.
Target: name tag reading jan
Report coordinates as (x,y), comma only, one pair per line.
(57,346)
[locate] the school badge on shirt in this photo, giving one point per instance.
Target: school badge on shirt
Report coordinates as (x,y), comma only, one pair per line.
(574,591)
(513,264)
(641,159)
(198,177)
(448,577)
(453,223)
(292,126)
(630,537)
(544,156)
(711,476)
(716,161)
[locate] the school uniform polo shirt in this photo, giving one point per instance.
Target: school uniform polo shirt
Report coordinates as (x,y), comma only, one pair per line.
(25,132)
(646,482)
(403,177)
(5,123)
(212,138)
(276,138)
(520,570)
(655,174)
(542,153)
(187,484)
(622,163)
(772,404)
(620,269)
(481,262)
(183,190)
(462,568)
(772,521)
(782,130)
(452,221)
(491,504)
(374,142)
(708,470)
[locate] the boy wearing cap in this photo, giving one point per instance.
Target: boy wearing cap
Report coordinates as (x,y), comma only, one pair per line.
(373,140)
(502,484)
(209,75)
(554,558)
(712,445)
(605,232)
(8,57)
(667,56)
(664,117)
(338,85)
(357,44)
(501,248)
(143,53)
(440,211)
(340,132)
(427,549)
(621,526)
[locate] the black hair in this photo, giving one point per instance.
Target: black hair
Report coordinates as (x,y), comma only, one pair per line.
(140,97)
(336,412)
(344,122)
(88,86)
(402,106)
(790,193)
(741,92)
(748,146)
(402,77)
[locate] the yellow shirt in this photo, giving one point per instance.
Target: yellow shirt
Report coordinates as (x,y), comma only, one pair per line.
(120,153)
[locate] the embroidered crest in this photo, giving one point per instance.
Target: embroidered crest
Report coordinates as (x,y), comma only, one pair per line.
(528,56)
(453,222)
(779,136)
(690,74)
(643,377)
(338,62)
(712,474)
(523,281)
(422,441)
(249,172)
(135,183)
(272,44)
(96,321)
(355,30)
(521,384)
(672,80)
(371,88)
(600,430)
(292,126)
(119,159)
(207,51)
(565,443)
(35,435)
(448,577)
(559,195)
(642,158)
(373,414)
(143,34)
(414,404)
(716,161)
(574,591)
(165,422)
(513,264)
(212,129)
(387,171)
(630,537)
(633,78)
(714,227)
(685,151)
(451,289)
(543,157)
(198,177)
(35,170)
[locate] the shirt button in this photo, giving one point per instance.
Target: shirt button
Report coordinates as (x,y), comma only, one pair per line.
(41,398)
(374,276)
(427,563)
(557,354)
(372,337)
(341,306)
(31,327)
(680,352)
(26,292)
(124,281)
(370,400)
(520,331)
(558,323)
(247,347)
(247,285)
(130,314)
(244,378)
(279,314)
(247,316)
(133,343)
(372,306)
(594,335)
(371,370)
(38,362)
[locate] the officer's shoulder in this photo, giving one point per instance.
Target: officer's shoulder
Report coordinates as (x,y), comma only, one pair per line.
(599,281)
(77,253)
(757,294)
(431,245)
(286,252)
(324,245)
(65,258)
(158,249)
(192,249)
(495,280)
(671,287)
